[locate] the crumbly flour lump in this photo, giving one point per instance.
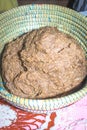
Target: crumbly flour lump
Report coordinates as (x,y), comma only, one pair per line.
(43,63)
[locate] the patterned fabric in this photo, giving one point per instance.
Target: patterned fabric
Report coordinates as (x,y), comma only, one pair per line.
(73,117)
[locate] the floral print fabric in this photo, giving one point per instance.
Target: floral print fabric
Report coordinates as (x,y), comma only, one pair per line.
(73,117)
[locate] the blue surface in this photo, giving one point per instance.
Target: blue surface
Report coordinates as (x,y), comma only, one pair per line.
(84,13)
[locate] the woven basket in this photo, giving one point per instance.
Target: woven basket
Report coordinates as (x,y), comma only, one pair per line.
(20,20)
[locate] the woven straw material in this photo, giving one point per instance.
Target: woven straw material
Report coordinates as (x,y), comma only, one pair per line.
(20,20)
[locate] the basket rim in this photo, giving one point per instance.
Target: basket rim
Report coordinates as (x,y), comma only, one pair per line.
(42,5)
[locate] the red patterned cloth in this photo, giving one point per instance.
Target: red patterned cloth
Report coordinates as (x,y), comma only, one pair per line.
(73,117)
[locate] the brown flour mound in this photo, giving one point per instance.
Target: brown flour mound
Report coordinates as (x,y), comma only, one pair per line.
(43,63)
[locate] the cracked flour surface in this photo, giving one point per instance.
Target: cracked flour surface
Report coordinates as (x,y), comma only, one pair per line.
(43,63)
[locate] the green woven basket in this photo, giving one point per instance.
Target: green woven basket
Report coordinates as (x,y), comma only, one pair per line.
(20,20)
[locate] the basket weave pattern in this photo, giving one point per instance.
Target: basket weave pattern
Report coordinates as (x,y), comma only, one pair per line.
(23,19)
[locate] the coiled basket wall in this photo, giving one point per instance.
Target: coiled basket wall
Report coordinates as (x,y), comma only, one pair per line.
(18,21)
